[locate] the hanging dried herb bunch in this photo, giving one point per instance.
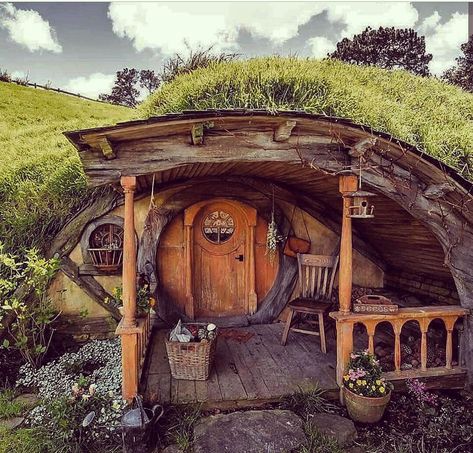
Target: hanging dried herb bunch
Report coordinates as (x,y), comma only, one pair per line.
(272,237)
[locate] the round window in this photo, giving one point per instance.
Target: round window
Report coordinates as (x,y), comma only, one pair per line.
(218,227)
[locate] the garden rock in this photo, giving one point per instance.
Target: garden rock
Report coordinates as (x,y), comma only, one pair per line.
(11,423)
(249,432)
(27,399)
(340,428)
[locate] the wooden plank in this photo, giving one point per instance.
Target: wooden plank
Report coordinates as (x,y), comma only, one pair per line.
(254,385)
(229,381)
(186,391)
(274,379)
(209,390)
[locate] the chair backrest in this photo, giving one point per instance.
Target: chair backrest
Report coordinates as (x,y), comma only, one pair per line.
(316,275)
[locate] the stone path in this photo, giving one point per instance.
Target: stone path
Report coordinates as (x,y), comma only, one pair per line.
(267,431)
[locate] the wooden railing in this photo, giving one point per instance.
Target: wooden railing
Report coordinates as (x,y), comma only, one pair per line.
(134,345)
(423,315)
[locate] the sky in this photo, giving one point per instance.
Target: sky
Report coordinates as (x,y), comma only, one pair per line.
(80,46)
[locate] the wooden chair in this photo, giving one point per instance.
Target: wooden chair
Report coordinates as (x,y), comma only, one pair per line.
(316,276)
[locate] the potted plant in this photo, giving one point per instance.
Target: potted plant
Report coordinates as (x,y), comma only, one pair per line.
(365,391)
(143,300)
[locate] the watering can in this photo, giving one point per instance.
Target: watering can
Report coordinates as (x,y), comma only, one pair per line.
(137,423)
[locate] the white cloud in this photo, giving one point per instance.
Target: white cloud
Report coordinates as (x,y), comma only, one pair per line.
(169,26)
(321,46)
(445,40)
(429,24)
(91,85)
(28,29)
(357,16)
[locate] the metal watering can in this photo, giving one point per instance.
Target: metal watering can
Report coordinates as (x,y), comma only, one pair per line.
(137,423)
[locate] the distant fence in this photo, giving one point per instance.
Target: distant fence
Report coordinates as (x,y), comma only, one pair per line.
(58,90)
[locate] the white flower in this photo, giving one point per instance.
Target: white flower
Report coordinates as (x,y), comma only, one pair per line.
(85,396)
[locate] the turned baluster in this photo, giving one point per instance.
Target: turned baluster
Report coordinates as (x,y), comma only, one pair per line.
(370,329)
(397,326)
(449,324)
(424,325)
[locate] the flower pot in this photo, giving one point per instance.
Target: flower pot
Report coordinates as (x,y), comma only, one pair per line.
(365,409)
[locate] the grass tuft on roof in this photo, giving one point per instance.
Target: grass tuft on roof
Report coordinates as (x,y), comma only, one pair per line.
(425,112)
(42,183)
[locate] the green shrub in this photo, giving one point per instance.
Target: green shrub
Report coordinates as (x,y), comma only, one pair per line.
(31,330)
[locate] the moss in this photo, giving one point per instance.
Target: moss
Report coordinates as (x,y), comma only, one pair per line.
(42,183)
(425,112)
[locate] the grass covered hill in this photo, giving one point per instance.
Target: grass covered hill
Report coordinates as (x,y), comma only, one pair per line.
(425,112)
(41,180)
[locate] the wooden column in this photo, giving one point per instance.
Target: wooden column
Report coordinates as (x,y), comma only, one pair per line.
(129,254)
(127,328)
(347,184)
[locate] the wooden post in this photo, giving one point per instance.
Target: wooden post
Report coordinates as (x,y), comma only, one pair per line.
(129,254)
(127,328)
(347,184)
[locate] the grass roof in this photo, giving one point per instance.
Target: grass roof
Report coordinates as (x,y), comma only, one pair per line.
(41,179)
(425,112)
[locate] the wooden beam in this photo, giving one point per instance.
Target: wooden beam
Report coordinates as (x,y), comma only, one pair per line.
(360,148)
(129,254)
(107,148)
(90,286)
(147,156)
(348,184)
(284,131)
(197,134)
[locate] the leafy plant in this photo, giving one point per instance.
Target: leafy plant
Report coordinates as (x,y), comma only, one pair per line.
(305,402)
(73,386)
(142,298)
(8,407)
(364,376)
(178,425)
(318,442)
(31,331)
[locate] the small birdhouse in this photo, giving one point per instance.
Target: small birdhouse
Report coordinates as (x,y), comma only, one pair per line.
(360,207)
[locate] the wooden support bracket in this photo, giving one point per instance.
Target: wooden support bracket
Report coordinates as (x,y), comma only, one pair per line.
(107,149)
(360,148)
(284,131)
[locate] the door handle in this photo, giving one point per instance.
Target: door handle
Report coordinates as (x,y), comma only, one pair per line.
(239,257)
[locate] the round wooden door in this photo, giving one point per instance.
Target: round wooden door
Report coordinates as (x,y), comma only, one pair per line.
(221,267)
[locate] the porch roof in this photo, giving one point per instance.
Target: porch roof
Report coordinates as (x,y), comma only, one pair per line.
(97,146)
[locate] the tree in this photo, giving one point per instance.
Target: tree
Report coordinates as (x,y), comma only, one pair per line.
(388,48)
(124,91)
(462,73)
(149,80)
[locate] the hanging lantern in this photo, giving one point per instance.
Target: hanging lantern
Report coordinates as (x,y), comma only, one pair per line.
(360,207)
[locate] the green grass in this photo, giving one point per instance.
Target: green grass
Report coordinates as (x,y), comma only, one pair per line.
(425,112)
(26,440)
(177,427)
(8,407)
(41,179)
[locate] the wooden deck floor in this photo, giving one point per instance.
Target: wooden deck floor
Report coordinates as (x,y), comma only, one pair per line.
(245,373)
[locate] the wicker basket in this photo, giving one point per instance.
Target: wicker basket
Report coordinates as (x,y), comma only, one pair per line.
(191,361)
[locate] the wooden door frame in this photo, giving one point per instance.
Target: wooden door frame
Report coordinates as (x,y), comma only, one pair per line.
(250,214)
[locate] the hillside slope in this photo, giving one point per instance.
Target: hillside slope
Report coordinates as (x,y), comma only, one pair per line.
(425,112)
(41,180)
